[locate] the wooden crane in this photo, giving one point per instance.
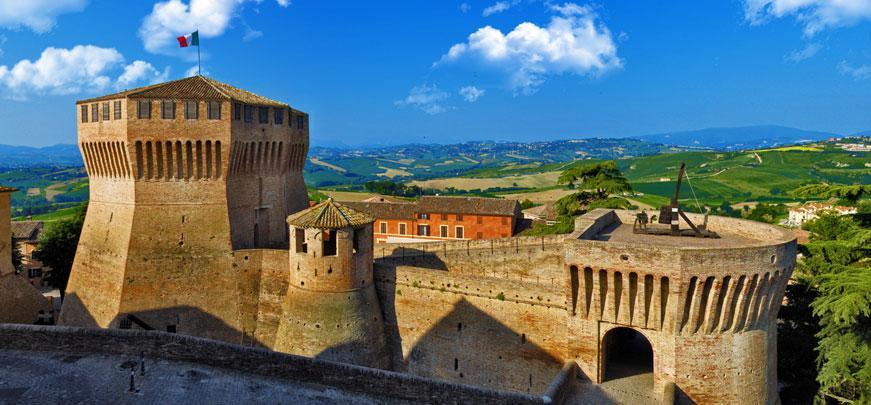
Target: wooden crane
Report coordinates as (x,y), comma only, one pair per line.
(671,215)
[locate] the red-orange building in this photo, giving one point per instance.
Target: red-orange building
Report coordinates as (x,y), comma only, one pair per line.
(435,218)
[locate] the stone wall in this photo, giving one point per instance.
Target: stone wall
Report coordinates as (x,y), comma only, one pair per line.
(528,259)
(448,316)
(393,387)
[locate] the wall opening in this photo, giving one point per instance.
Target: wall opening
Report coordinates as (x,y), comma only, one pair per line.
(626,353)
(358,238)
(301,246)
(575,283)
(329,243)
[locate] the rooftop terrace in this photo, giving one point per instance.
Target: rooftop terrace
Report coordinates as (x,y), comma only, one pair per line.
(601,225)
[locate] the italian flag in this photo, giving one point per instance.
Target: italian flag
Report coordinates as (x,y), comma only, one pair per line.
(192,39)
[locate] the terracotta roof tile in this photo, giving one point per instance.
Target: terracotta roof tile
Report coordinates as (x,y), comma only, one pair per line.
(468,205)
(27,230)
(386,209)
(329,215)
(199,87)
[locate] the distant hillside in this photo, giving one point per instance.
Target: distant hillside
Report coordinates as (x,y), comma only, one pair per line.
(62,155)
(333,166)
(737,138)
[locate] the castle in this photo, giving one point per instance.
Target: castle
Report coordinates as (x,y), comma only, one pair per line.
(198,224)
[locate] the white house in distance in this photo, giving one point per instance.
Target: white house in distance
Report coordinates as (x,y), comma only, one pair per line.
(809,211)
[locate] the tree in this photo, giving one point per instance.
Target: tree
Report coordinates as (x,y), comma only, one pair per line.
(57,248)
(16,254)
(595,182)
(770,213)
(838,261)
(850,193)
(602,178)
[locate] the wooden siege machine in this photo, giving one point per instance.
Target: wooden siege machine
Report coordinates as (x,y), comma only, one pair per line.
(671,215)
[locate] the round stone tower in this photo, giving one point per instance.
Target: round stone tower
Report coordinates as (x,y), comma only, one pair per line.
(331,310)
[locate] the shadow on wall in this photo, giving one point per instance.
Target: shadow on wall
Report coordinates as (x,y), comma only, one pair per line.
(470,346)
(466,345)
(75,313)
(19,301)
(386,292)
(404,256)
(184,320)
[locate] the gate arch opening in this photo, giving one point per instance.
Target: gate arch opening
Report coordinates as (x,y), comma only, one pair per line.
(625,353)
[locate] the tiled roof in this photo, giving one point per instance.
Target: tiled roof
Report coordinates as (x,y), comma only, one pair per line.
(385,210)
(27,230)
(7,189)
(544,211)
(329,215)
(468,205)
(199,87)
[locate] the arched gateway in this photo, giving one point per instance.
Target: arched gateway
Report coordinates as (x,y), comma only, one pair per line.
(626,353)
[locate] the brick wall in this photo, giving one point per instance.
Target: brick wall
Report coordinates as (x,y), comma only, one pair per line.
(473,227)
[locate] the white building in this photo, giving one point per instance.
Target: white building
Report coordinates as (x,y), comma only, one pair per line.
(809,211)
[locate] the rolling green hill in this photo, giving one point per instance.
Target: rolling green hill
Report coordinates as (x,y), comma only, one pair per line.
(745,176)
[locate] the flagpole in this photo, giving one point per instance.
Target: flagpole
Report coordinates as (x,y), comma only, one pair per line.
(199,65)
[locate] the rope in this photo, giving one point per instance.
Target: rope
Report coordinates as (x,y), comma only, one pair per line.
(694,194)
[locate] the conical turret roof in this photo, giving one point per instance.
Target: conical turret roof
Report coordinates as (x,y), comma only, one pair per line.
(329,215)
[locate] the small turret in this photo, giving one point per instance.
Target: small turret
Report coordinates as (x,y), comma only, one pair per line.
(331,310)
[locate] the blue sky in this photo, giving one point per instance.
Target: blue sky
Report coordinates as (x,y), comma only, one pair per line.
(395,72)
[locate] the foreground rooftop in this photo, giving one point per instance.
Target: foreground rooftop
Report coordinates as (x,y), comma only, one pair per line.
(616,226)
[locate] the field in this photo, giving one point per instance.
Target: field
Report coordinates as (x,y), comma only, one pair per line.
(537,180)
(45,189)
(712,177)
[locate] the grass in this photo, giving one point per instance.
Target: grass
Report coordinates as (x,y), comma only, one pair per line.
(63,213)
(564,224)
(537,180)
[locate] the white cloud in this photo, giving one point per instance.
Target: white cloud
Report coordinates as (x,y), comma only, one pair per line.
(862,72)
(38,15)
(251,35)
(3,40)
(195,70)
(499,7)
(427,98)
(573,42)
(81,69)
(172,18)
(471,93)
(140,71)
(805,53)
(465,7)
(815,15)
